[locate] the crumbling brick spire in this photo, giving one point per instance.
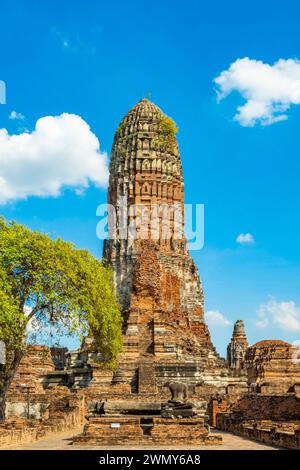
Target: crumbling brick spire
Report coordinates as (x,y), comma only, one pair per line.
(146,171)
(156,279)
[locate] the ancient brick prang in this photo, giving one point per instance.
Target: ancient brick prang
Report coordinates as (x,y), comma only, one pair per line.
(156,279)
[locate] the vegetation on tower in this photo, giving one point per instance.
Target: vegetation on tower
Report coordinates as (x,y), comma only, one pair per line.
(166,139)
(164,130)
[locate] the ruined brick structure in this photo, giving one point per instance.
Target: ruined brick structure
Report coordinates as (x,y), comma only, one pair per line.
(28,384)
(270,411)
(273,365)
(236,349)
(272,419)
(165,335)
(157,281)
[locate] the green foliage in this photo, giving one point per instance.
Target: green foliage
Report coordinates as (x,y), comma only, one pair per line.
(168,127)
(55,282)
(164,141)
(12,323)
(166,138)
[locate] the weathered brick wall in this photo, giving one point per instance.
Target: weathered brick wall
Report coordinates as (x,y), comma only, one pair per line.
(119,430)
(216,406)
(63,414)
(136,430)
(35,364)
(28,385)
(270,419)
(267,431)
(277,407)
(271,364)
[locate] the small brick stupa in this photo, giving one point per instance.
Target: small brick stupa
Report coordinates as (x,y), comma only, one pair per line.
(236,349)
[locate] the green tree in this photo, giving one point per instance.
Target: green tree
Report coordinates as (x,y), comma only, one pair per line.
(52,281)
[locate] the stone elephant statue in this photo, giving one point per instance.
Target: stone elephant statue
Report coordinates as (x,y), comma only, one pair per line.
(178,390)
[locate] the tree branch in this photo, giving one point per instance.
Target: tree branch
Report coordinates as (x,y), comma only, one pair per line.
(35,310)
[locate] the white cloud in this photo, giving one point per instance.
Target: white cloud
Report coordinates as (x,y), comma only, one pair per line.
(216,318)
(60,152)
(245,238)
(15,115)
(285,315)
(269,90)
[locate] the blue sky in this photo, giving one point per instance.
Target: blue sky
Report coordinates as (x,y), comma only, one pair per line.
(97,59)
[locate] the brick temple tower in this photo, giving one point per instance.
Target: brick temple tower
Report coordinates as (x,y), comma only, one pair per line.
(237,348)
(160,292)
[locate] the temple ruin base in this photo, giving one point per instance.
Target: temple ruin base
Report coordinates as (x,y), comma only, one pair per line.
(147,422)
(141,430)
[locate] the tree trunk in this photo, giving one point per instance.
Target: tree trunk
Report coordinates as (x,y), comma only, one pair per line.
(2,408)
(6,377)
